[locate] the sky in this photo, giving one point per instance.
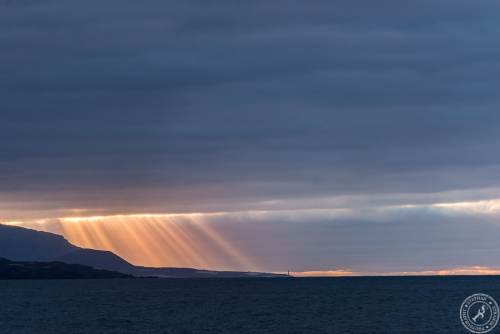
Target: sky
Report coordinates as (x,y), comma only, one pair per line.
(334,136)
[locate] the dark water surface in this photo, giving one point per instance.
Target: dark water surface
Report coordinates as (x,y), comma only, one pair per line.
(302,305)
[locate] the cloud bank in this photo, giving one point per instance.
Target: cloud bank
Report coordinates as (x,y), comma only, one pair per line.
(126,107)
(179,106)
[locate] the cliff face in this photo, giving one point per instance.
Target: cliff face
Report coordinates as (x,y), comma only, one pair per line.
(21,244)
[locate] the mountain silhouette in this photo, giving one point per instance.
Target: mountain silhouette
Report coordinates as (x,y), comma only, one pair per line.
(22,244)
(98,259)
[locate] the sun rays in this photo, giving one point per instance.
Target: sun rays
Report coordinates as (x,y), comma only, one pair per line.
(184,240)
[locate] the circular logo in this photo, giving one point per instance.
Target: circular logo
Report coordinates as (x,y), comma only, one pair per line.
(479,313)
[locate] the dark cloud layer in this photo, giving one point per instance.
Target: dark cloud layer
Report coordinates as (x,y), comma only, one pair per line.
(179,105)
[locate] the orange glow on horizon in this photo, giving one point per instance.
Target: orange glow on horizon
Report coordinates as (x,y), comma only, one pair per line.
(465,271)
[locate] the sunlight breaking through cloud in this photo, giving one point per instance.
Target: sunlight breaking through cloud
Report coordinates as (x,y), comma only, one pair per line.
(152,240)
(277,240)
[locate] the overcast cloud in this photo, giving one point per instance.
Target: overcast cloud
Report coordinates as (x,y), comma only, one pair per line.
(194,106)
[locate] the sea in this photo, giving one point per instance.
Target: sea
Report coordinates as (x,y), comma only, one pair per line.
(234,306)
